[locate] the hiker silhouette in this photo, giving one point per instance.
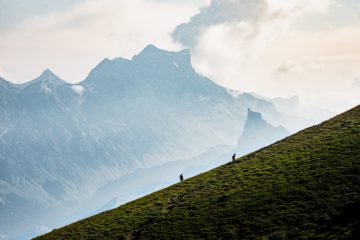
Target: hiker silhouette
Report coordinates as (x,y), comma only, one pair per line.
(234,156)
(181,177)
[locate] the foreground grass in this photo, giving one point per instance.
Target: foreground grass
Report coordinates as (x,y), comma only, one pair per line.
(304,187)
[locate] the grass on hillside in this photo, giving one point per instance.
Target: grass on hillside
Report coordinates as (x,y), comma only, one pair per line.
(304,187)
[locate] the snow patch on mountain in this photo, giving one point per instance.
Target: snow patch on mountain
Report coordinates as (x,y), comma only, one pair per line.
(175,64)
(78,89)
(234,93)
(47,78)
(2,201)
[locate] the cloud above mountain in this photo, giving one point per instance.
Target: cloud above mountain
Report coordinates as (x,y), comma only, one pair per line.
(237,13)
(242,43)
(84,34)
(272,47)
(28,8)
(220,12)
(241,27)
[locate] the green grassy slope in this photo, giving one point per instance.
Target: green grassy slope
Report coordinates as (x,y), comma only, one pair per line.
(306,186)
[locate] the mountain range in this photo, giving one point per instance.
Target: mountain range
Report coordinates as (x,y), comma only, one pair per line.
(306,186)
(60,143)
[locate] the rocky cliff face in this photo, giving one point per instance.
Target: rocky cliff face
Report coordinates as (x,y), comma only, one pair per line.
(258,133)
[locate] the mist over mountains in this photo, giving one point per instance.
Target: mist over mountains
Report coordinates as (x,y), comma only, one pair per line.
(258,133)
(60,143)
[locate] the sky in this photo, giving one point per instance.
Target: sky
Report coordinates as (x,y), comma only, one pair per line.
(275,48)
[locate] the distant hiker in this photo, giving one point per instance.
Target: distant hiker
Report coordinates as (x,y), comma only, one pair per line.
(234,156)
(181,177)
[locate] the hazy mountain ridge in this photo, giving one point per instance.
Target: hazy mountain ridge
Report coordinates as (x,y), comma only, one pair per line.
(258,133)
(60,142)
(293,107)
(306,186)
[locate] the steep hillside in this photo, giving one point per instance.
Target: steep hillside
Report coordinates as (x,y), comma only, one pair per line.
(60,143)
(306,186)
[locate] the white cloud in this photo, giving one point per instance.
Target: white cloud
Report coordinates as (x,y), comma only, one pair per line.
(235,43)
(3,73)
(217,13)
(356,82)
(16,11)
(259,15)
(268,52)
(74,41)
(241,44)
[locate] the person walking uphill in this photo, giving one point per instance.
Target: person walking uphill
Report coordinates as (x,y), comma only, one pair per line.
(234,156)
(181,177)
